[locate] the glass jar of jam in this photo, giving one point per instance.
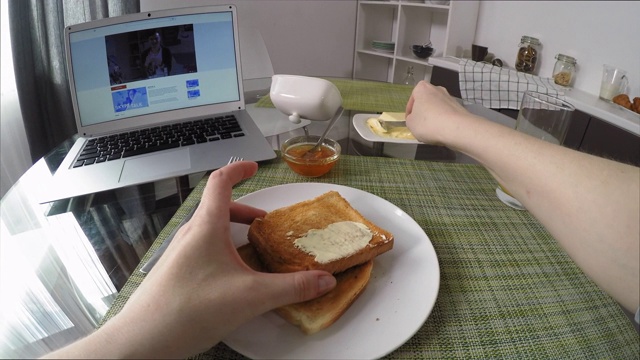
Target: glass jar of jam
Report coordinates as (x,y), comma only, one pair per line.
(528,52)
(564,70)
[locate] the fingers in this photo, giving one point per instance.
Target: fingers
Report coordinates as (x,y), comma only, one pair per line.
(220,185)
(442,89)
(417,93)
(409,107)
(216,198)
(245,214)
(290,288)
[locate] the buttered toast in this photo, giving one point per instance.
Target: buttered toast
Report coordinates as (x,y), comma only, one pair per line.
(323,233)
(317,314)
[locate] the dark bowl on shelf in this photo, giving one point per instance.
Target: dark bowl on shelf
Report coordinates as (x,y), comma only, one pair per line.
(422,51)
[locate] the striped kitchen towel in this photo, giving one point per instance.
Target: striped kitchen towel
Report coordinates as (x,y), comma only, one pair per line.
(500,88)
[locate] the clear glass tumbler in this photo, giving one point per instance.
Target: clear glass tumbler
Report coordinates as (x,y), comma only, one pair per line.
(544,117)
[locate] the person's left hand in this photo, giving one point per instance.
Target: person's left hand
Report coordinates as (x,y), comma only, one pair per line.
(200,290)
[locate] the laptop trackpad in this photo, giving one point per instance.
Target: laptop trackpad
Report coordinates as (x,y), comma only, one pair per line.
(154,167)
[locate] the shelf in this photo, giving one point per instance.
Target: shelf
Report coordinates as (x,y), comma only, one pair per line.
(405,3)
(411,58)
(440,8)
(376,53)
(449,28)
(415,60)
(380,3)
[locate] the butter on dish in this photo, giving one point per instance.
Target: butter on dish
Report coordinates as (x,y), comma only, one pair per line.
(401,132)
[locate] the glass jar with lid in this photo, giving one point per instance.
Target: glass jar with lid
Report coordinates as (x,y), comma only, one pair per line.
(564,70)
(528,52)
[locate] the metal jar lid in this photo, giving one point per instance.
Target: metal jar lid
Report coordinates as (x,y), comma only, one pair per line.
(531,40)
(566,58)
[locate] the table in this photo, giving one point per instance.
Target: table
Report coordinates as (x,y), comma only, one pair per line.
(507,289)
(78,259)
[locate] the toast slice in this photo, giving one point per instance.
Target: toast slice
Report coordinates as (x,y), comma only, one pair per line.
(317,314)
(323,233)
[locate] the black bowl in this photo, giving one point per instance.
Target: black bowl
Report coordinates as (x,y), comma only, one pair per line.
(422,51)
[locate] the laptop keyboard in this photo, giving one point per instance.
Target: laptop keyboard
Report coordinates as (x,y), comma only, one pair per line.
(145,141)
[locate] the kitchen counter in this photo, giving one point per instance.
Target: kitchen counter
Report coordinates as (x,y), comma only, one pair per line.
(583,101)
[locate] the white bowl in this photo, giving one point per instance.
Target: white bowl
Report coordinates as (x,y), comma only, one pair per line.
(305,97)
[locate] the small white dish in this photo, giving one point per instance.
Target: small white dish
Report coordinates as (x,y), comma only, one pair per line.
(360,124)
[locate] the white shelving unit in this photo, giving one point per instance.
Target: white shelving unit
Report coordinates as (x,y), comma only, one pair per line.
(450,28)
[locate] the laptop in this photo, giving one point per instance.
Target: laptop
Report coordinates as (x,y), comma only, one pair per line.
(155,95)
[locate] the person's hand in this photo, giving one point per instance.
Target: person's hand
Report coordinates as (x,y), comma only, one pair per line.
(200,290)
(431,111)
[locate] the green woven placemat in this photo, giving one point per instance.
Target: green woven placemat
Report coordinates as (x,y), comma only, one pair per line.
(507,289)
(364,95)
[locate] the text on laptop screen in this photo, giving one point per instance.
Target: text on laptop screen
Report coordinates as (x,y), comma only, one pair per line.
(153,65)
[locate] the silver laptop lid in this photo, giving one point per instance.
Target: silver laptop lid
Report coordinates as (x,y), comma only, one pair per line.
(155,67)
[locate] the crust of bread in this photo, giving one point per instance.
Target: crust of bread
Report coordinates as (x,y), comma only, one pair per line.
(317,314)
(273,236)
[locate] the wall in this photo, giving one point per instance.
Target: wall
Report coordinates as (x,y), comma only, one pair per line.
(316,37)
(594,32)
(304,37)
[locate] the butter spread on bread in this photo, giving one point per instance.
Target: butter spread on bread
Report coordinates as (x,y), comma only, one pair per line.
(274,236)
(336,241)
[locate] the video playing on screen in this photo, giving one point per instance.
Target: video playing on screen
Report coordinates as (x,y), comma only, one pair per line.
(148,54)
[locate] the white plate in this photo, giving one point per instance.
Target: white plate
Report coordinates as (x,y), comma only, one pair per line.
(397,301)
(360,123)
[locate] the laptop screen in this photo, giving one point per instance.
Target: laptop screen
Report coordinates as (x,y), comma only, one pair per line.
(152,65)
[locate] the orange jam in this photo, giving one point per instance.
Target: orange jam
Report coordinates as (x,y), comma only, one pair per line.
(314,163)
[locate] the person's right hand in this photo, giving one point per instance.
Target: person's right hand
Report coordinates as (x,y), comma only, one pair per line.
(431,111)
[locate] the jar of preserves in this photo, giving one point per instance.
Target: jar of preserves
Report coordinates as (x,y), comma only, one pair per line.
(528,52)
(564,70)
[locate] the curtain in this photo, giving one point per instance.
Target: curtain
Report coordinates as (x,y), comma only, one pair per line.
(37,40)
